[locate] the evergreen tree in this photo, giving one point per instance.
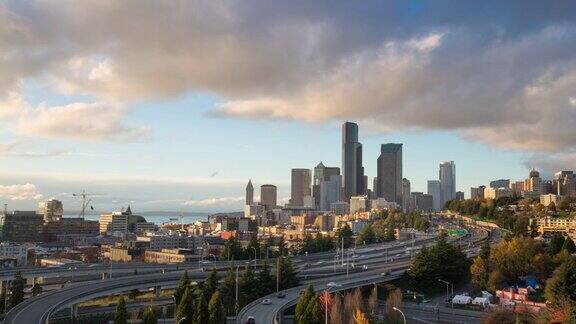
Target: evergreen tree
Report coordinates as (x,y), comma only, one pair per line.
(288,276)
(301,312)
(202,314)
(216,310)
(248,287)
(211,284)
(556,244)
(367,235)
(148,316)
(563,284)
(345,232)
(182,286)
(232,249)
(227,290)
(185,310)
(569,245)
(485,250)
(265,281)
(120,317)
(16,290)
(254,244)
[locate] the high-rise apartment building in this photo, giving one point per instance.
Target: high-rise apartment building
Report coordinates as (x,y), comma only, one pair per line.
(406,201)
(51,210)
(330,192)
(323,173)
(21,226)
(249,193)
(434,191)
(447,176)
(500,183)
(352,169)
(268,196)
(564,184)
(390,173)
(477,193)
(301,186)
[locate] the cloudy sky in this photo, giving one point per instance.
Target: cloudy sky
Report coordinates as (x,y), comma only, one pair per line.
(173,105)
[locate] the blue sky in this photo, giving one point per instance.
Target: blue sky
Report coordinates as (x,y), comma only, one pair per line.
(178,113)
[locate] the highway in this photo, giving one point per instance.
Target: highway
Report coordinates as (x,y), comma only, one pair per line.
(38,309)
(272,313)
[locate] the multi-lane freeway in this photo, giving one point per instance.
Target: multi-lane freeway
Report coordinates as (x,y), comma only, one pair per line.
(272,313)
(38,309)
(364,263)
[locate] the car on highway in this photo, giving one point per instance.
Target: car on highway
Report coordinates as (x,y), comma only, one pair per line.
(333,284)
(364,267)
(266,302)
(386,273)
(251,320)
(280,295)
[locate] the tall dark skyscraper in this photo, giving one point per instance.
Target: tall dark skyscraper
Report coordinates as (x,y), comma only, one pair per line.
(389,172)
(249,193)
(352,170)
(447,177)
(301,186)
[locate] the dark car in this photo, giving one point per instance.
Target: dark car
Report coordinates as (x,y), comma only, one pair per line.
(251,320)
(280,295)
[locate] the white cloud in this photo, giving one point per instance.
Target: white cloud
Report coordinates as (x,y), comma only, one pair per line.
(220,201)
(505,80)
(20,192)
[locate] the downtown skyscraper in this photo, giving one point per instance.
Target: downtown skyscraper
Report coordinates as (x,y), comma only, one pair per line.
(300,187)
(389,173)
(447,176)
(352,169)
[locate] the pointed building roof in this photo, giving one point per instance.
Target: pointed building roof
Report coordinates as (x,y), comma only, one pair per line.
(249,185)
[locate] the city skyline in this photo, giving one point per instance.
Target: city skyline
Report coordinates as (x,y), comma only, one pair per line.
(98,107)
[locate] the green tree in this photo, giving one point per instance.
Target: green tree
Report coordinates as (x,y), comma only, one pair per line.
(36,289)
(16,290)
(232,249)
(367,235)
(227,290)
(216,310)
(441,261)
(345,233)
(211,284)
(182,286)
(202,314)
(248,287)
(563,284)
(288,276)
(569,245)
(556,244)
(300,314)
(485,250)
(265,281)
(185,310)
(148,316)
(120,317)
(253,247)
(480,272)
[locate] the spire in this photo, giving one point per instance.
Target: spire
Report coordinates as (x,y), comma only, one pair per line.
(128,210)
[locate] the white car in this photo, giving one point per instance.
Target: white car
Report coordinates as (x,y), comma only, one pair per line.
(266,302)
(333,284)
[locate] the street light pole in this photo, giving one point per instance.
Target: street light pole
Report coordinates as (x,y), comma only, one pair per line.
(326,306)
(398,310)
(447,288)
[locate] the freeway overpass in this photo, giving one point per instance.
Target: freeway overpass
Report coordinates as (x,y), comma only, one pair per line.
(273,313)
(38,309)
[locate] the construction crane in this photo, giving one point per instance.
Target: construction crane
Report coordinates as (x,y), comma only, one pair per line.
(85,197)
